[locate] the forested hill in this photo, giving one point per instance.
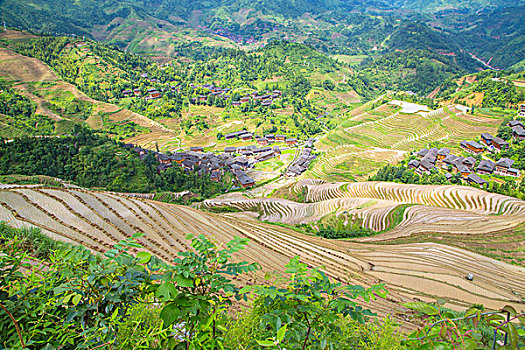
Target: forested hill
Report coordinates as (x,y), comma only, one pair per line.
(435,5)
(488,29)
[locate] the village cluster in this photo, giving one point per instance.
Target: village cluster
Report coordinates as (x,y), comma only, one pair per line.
(236,160)
(205,163)
(209,90)
(466,166)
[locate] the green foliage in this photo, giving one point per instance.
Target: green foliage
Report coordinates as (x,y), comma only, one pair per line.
(353,230)
(408,176)
(402,174)
(75,302)
(472,329)
(309,304)
(418,70)
(86,159)
(141,328)
(197,289)
(498,93)
(19,116)
(91,160)
(31,240)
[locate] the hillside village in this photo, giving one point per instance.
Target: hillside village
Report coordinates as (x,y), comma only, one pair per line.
(245,175)
(470,168)
(235,160)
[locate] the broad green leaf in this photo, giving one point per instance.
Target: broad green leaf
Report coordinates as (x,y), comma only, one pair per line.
(170,314)
(265,343)
(66,298)
(76,299)
(166,291)
(183,281)
(133,245)
(144,257)
(509,309)
(469,344)
(280,334)
(443,331)
(245,289)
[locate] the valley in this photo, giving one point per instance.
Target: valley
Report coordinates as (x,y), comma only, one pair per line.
(239,174)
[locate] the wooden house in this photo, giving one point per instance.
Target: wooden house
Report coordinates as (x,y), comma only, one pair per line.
(521,110)
(246,136)
(487,138)
(154,94)
(476,180)
(500,144)
(485,167)
(280,137)
(442,153)
(413,164)
(291,142)
(518,133)
(472,147)
(504,168)
(263,141)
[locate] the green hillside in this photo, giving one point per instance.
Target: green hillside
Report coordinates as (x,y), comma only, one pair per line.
(335,27)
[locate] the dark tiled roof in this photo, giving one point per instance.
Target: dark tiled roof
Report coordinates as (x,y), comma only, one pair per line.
(505,163)
(443,152)
(486,165)
(475,144)
(422,152)
(487,136)
(500,141)
(476,179)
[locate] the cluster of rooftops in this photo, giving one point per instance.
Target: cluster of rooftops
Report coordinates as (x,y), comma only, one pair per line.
(204,163)
(261,140)
(234,159)
(466,167)
(265,98)
(300,165)
(212,90)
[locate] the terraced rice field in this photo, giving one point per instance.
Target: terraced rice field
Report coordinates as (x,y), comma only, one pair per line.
(359,145)
(447,209)
(426,271)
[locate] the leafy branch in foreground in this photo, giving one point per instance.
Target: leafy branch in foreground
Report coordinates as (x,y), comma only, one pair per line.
(310,305)
(196,291)
(446,330)
(66,297)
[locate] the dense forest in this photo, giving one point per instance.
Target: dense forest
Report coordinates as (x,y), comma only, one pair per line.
(18,114)
(94,161)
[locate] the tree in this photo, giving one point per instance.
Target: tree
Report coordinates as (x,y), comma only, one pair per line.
(309,305)
(196,291)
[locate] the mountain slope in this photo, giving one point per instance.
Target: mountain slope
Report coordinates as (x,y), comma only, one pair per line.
(440,5)
(334,26)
